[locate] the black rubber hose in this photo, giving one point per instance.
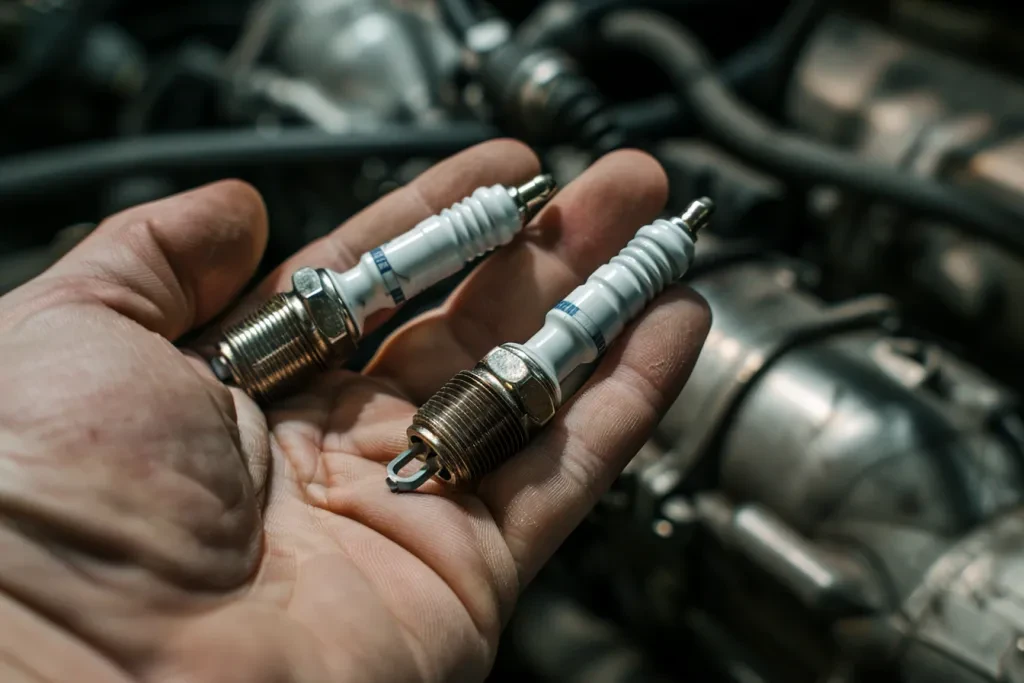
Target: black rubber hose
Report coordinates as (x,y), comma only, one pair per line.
(759,74)
(553,23)
(773,60)
(460,15)
(748,135)
(664,115)
(53,172)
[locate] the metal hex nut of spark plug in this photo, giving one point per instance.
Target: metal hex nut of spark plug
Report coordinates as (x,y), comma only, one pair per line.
(325,307)
(527,384)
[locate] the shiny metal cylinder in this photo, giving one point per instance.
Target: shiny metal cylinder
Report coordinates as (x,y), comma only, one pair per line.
(289,339)
(472,426)
(273,349)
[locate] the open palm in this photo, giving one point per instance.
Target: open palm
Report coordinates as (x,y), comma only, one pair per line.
(156,526)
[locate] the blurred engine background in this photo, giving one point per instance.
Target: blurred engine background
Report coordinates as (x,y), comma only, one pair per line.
(837,495)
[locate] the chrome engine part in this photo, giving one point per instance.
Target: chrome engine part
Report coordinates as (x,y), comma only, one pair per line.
(347,64)
(863,88)
(842,500)
(391,63)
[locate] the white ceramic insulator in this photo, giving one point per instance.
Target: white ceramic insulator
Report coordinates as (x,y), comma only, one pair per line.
(581,327)
(435,249)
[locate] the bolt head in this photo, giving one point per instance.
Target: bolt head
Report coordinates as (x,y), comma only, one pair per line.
(324,306)
(529,387)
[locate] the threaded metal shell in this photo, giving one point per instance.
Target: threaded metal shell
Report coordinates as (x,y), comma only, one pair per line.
(274,348)
(470,427)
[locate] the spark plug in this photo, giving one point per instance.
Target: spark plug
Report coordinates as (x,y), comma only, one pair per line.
(319,323)
(484,416)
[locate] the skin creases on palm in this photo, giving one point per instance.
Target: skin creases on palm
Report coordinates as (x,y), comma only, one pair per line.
(159,526)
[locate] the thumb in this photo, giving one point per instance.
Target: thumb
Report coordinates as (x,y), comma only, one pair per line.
(169,265)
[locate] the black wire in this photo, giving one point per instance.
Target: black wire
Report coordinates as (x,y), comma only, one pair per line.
(52,172)
(460,15)
(744,132)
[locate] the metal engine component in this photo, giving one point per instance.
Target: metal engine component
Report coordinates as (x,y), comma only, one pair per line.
(352,63)
(867,513)
(543,95)
(287,337)
(862,88)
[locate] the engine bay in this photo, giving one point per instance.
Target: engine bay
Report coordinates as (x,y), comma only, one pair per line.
(837,494)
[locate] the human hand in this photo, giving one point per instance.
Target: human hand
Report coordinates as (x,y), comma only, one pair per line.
(158,526)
